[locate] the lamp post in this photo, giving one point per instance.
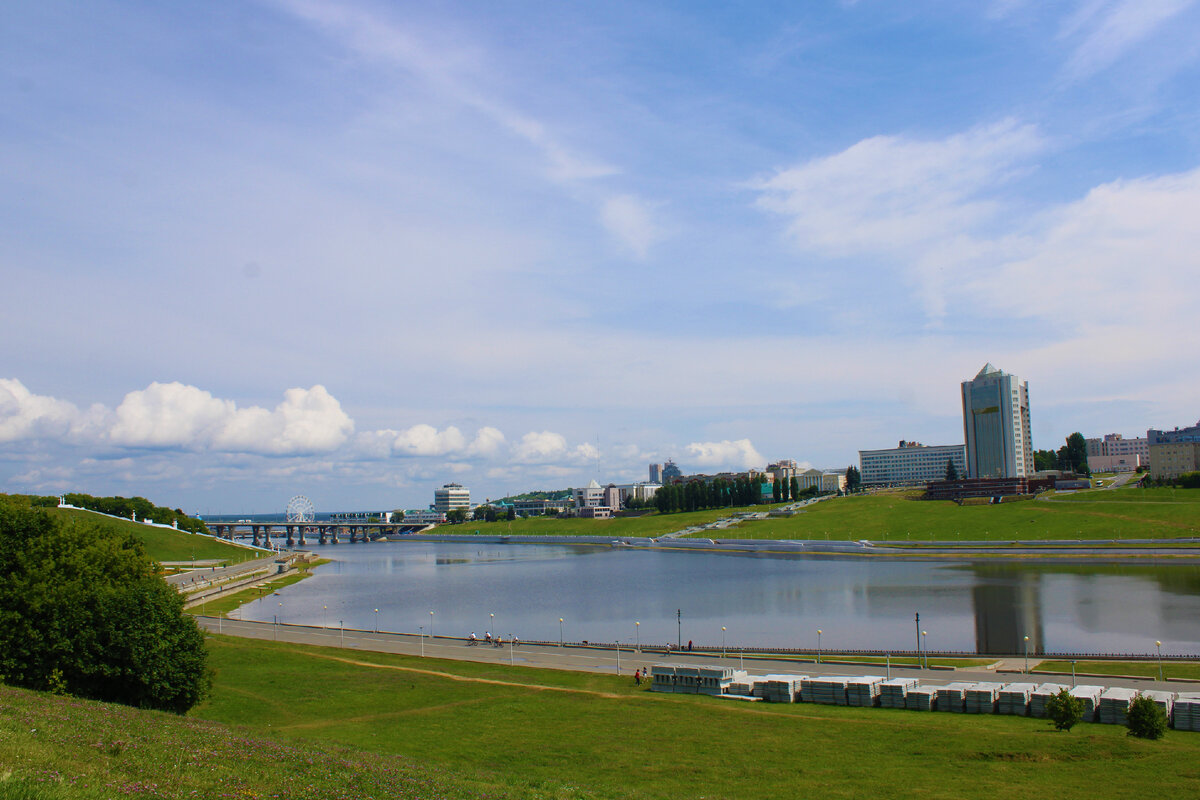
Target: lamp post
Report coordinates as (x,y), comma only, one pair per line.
(618,656)
(324,612)
(341,634)
(925,648)
(431,627)
(560,636)
(722,642)
(377,620)
(511,659)
(421,636)
(818,645)
(1158,645)
(637,627)
(1027,654)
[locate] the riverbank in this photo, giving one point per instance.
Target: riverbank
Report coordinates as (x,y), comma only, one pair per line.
(1148,551)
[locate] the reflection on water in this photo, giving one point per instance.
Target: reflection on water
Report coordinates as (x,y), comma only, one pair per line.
(604,594)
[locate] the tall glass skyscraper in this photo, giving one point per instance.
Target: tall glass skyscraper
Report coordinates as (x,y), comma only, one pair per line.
(996,425)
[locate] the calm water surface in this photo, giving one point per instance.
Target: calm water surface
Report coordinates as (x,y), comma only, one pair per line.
(601,593)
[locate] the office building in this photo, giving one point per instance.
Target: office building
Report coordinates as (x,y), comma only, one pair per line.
(671,472)
(996,425)
(1169,460)
(656,473)
(1191,434)
(450,497)
(589,496)
(910,464)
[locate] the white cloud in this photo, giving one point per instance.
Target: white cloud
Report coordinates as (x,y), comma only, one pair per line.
(1121,258)
(548,447)
(726,454)
(425,440)
(488,443)
(889,193)
(174,415)
(25,415)
(1110,28)
(629,219)
(540,447)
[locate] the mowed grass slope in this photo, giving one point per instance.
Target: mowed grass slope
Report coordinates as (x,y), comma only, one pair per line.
(540,733)
(163,544)
(61,748)
(1125,513)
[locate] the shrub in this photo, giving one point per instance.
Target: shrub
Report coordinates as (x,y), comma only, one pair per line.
(81,610)
(1064,710)
(1146,719)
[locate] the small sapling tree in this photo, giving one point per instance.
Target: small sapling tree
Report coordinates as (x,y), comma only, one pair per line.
(1064,710)
(1146,719)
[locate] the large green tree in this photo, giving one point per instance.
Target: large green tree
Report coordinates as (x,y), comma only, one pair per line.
(82,611)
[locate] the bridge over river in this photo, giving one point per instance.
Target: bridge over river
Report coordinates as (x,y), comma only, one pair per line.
(298,533)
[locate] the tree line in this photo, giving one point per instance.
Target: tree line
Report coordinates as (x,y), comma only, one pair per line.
(124,507)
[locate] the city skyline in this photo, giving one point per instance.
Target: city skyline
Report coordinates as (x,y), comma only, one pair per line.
(360,250)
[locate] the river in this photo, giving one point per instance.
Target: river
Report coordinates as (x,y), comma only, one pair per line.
(631,595)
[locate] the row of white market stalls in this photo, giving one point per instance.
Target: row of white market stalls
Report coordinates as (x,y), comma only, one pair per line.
(1109,705)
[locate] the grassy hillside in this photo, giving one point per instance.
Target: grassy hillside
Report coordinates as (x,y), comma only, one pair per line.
(294,721)
(1109,514)
(54,748)
(543,733)
(163,544)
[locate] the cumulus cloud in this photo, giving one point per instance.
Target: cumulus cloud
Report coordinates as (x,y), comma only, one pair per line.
(25,415)
(488,443)
(548,447)
(174,415)
(890,192)
(426,440)
(739,454)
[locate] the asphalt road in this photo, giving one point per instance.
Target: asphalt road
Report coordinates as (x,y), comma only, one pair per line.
(605,660)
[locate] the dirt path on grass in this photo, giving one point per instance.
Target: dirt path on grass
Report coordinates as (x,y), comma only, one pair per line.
(461,678)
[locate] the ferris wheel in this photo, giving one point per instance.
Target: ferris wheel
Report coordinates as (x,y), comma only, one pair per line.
(300,509)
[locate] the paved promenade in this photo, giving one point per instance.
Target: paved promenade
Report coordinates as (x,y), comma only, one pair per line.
(604,660)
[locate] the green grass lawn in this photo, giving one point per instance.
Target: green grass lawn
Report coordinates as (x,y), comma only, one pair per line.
(544,733)
(652,524)
(894,517)
(1110,514)
(1188,670)
(163,544)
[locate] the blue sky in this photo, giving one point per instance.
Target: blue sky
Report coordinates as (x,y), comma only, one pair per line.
(356,250)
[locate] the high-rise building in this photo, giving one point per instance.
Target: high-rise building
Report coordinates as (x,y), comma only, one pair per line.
(671,472)
(450,497)
(656,473)
(996,425)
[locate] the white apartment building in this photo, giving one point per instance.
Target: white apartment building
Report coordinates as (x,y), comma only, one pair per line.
(996,425)
(450,497)
(590,496)
(910,464)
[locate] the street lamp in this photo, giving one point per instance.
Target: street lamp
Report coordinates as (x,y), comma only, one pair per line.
(618,656)
(492,627)
(925,648)
(722,642)
(637,627)
(1027,654)
(341,634)
(1159,646)
(431,627)
(421,636)
(818,645)
(560,637)
(377,620)
(324,612)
